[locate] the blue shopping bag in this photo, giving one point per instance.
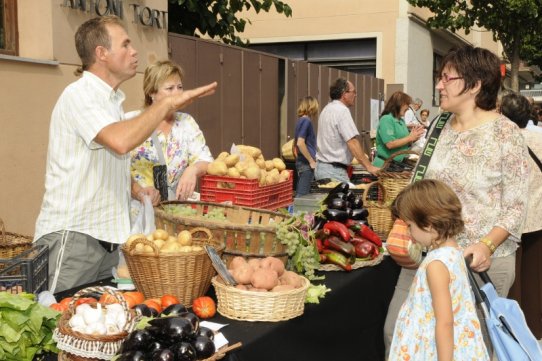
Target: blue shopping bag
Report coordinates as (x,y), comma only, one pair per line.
(510,336)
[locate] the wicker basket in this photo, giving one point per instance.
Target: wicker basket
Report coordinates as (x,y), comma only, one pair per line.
(356,265)
(259,306)
(246,232)
(186,275)
(79,346)
(380,217)
(392,181)
(12,244)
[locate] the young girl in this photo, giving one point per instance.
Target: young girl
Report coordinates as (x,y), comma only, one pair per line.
(438,319)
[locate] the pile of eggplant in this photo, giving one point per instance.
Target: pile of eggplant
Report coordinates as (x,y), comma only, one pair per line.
(343,234)
(173,336)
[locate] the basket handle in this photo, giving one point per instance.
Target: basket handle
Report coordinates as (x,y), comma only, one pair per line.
(146,242)
(379,185)
(389,160)
(202,229)
(118,296)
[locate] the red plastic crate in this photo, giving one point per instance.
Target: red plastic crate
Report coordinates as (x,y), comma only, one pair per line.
(247,192)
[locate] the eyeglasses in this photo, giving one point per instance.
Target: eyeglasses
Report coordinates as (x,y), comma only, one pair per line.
(351,91)
(445,78)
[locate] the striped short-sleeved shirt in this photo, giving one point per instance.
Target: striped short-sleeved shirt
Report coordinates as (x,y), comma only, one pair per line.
(87,186)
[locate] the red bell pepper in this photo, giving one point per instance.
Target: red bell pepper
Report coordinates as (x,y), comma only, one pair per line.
(369,234)
(338,229)
(336,244)
(338,259)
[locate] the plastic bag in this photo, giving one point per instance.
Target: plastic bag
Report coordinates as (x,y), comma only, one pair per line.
(144,220)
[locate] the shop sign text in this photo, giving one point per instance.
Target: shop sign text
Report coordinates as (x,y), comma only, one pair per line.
(142,15)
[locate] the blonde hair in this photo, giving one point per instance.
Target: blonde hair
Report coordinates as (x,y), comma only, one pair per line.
(155,75)
(430,203)
(308,106)
(91,34)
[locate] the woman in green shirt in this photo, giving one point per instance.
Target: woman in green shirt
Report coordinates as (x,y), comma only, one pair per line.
(392,134)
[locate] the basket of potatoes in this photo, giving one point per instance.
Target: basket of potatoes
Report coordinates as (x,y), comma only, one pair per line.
(161,263)
(265,291)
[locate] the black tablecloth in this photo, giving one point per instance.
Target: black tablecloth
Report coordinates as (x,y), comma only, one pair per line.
(346,325)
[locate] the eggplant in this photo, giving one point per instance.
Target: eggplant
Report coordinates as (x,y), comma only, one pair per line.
(350,196)
(357,202)
(174,310)
(360,214)
(132,356)
(348,212)
(163,355)
(194,320)
(155,346)
(318,223)
(173,329)
(335,215)
(340,188)
(204,347)
(204,331)
(137,340)
(336,203)
(184,351)
(143,310)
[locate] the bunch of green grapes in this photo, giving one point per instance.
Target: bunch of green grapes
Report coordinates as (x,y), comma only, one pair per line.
(216,214)
(288,238)
(179,210)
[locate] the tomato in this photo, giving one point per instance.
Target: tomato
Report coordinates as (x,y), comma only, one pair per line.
(168,300)
(58,307)
(204,307)
(153,304)
(85,300)
(130,300)
(65,302)
(138,297)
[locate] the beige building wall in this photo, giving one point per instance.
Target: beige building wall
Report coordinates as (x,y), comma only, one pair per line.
(405,46)
(30,85)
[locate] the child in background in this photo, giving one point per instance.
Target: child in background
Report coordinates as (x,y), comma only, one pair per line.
(438,320)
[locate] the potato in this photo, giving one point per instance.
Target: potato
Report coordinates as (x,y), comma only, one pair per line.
(269,165)
(160,234)
(148,249)
(186,249)
(231,160)
(241,287)
(242,165)
(260,163)
(150,237)
(264,278)
(184,238)
(197,248)
(254,263)
(284,175)
(222,156)
(170,247)
(243,275)
(233,172)
(291,278)
(263,174)
(133,237)
(159,243)
(237,262)
(279,164)
(252,172)
(218,168)
(252,151)
(171,239)
(274,264)
(271,178)
(139,248)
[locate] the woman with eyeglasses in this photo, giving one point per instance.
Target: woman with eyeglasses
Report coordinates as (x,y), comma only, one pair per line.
(483,157)
(392,134)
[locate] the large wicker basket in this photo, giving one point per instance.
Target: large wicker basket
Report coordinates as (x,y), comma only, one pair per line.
(259,306)
(394,181)
(247,232)
(380,217)
(186,275)
(12,244)
(79,346)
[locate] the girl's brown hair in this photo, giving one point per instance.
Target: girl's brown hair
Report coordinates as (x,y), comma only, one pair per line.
(430,203)
(308,106)
(395,102)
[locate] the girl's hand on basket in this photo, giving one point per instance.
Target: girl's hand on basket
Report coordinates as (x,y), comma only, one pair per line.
(481,257)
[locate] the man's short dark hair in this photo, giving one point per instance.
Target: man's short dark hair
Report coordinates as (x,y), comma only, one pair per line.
(516,108)
(338,88)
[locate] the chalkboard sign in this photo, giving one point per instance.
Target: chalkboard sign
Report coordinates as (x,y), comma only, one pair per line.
(220,266)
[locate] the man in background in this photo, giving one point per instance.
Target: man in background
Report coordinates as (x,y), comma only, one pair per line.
(337,142)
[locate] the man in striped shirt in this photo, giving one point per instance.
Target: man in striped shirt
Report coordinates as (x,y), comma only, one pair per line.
(85,211)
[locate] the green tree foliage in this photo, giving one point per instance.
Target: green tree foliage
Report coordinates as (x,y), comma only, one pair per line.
(517,24)
(217,18)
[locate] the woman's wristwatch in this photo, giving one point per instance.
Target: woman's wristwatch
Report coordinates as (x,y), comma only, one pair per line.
(489,244)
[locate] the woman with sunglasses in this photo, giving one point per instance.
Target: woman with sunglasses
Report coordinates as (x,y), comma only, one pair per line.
(482,156)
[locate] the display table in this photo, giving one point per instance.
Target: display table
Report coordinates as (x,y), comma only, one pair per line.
(346,325)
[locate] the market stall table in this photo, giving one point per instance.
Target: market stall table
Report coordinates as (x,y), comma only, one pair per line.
(346,325)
